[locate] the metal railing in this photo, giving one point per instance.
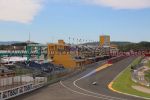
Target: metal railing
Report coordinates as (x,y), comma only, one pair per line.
(139,77)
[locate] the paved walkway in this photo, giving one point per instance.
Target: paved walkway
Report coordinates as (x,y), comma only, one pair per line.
(142,89)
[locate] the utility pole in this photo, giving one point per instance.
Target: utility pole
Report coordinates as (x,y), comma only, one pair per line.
(69,40)
(29,37)
(0,60)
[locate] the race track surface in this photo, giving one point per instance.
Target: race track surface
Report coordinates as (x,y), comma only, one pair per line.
(78,88)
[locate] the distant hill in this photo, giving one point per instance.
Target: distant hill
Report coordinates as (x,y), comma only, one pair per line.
(18,43)
(8,42)
(119,43)
(127,46)
(135,46)
(92,43)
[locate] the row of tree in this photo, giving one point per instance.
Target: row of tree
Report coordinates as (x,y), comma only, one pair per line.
(135,46)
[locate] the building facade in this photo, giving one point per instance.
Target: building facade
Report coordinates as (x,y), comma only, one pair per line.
(60,54)
(105,41)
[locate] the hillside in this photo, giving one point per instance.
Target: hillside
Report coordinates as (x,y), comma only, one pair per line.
(8,42)
(135,46)
(127,46)
(119,43)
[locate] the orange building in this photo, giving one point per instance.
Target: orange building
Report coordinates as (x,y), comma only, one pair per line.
(59,48)
(60,54)
(105,41)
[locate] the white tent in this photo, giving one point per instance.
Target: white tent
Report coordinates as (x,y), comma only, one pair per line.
(13,59)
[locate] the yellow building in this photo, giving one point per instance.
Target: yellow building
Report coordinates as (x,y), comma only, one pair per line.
(59,48)
(114,46)
(61,55)
(105,41)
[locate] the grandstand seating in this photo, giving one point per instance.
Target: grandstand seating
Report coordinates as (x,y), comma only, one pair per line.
(43,68)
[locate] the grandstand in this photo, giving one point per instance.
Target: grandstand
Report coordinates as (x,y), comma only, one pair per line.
(41,69)
(5,72)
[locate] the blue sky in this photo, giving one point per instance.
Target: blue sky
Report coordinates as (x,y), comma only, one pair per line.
(53,20)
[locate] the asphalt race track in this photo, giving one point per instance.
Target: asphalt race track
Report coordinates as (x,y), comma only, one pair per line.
(75,88)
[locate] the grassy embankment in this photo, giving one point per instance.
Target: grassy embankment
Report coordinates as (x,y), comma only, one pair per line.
(147,73)
(123,82)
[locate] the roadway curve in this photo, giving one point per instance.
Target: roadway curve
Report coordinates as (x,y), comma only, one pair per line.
(78,88)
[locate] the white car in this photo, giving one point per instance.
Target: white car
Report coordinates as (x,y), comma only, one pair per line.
(94,83)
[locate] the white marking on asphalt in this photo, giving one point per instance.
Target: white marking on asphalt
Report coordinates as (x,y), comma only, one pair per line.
(83,93)
(74,83)
(98,95)
(127,93)
(106,97)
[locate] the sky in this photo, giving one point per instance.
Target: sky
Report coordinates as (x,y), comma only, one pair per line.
(50,20)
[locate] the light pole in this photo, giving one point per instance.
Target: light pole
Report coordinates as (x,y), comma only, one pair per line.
(69,40)
(0,60)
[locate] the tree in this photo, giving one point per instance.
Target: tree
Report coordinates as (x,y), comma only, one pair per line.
(135,46)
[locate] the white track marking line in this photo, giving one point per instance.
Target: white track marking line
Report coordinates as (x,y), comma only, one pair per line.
(83,93)
(87,75)
(122,92)
(74,83)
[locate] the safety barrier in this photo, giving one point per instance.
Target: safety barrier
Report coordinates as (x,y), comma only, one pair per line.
(14,86)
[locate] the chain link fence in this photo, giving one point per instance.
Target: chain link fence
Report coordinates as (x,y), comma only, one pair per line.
(138,76)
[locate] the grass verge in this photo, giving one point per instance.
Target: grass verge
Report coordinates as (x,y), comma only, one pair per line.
(123,82)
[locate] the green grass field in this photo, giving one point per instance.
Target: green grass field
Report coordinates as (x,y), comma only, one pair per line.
(123,83)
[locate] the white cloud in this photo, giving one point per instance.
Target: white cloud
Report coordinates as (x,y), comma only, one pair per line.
(22,11)
(121,4)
